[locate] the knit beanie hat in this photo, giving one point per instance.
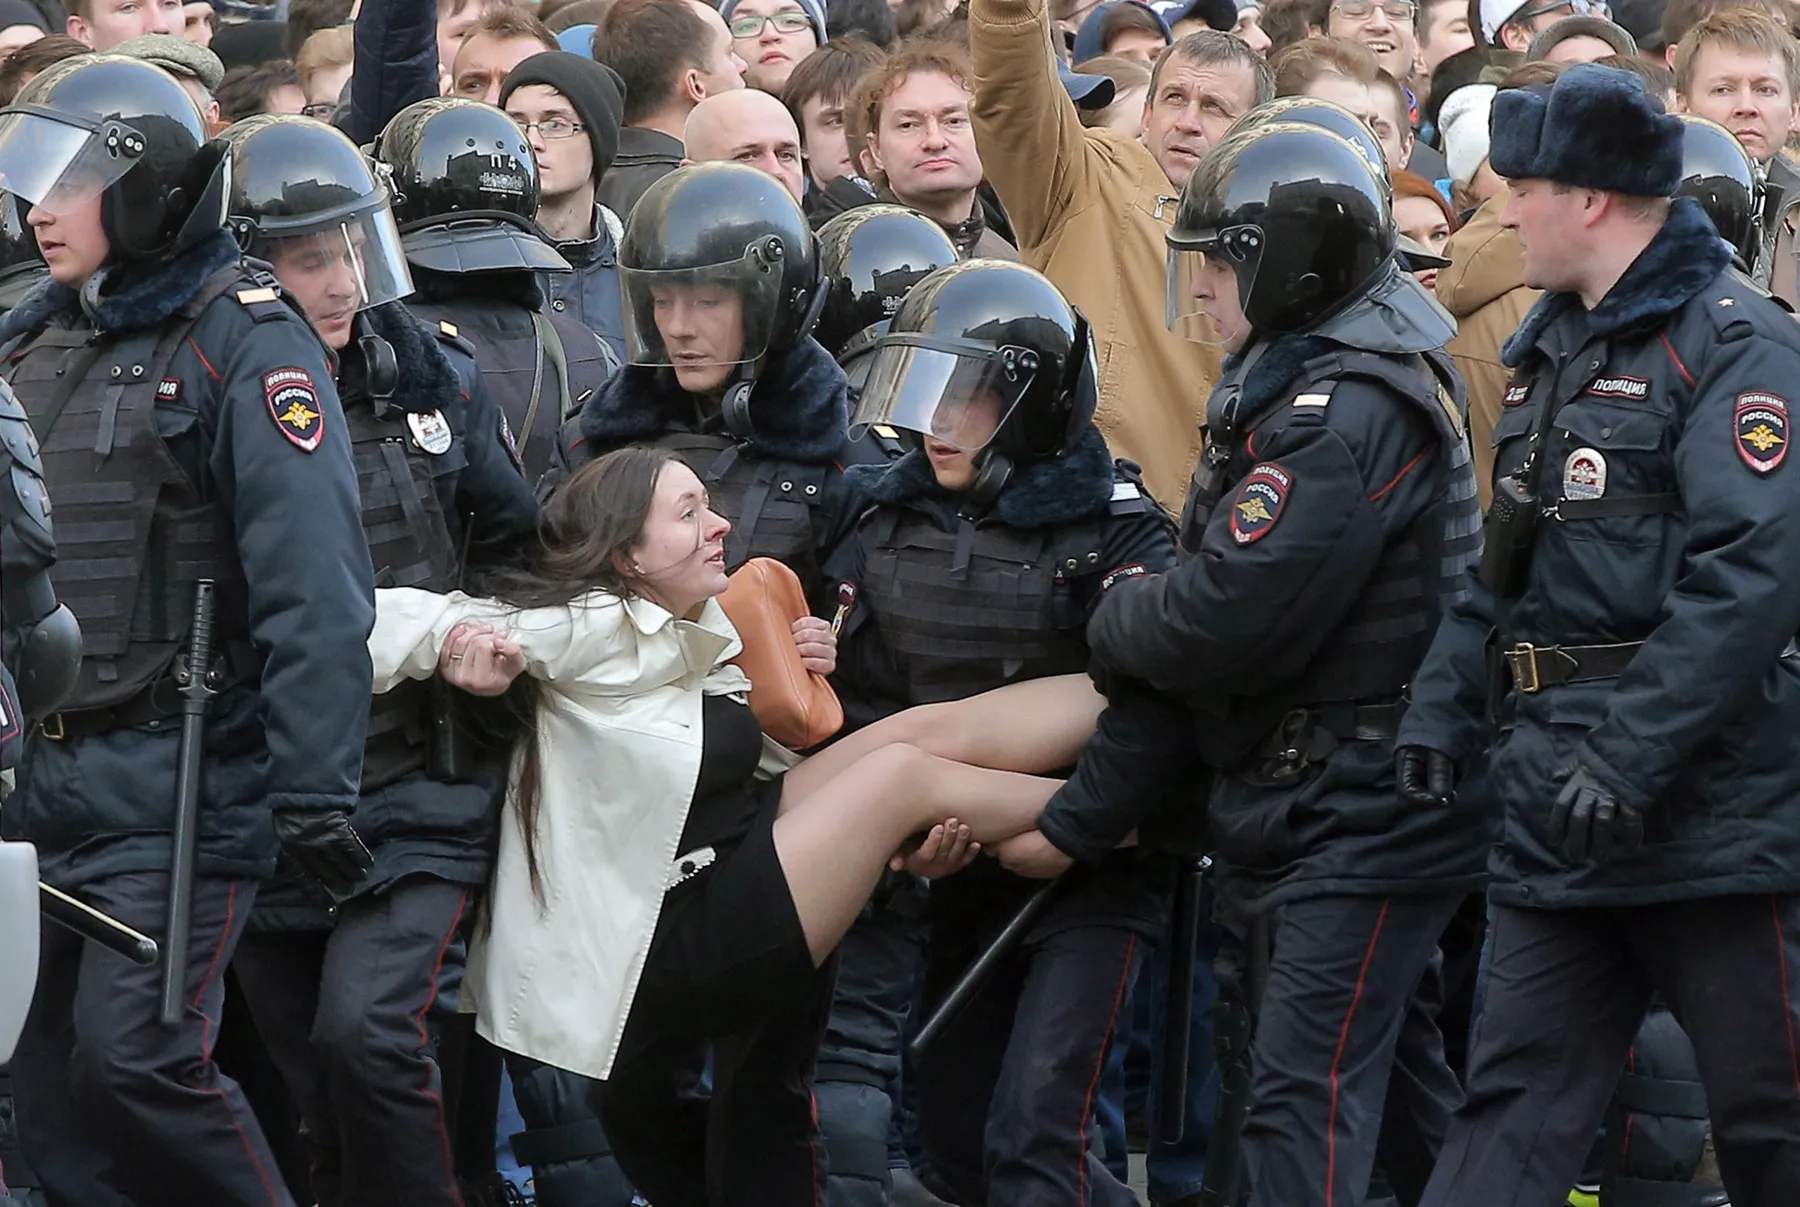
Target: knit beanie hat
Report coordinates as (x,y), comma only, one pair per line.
(593,90)
(1463,125)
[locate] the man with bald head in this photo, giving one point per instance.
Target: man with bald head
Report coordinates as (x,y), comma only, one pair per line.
(750,127)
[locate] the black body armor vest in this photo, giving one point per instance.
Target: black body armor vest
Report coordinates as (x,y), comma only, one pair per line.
(518,367)
(769,502)
(134,532)
(410,546)
(974,609)
(1380,644)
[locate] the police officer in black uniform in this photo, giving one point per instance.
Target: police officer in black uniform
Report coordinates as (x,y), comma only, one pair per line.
(338,999)
(190,431)
(465,195)
(752,404)
(1641,583)
(870,258)
(988,547)
(1333,513)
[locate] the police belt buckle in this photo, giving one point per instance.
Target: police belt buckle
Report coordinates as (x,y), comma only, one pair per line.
(1523,661)
(52,728)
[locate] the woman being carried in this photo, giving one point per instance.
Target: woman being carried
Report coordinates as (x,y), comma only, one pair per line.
(642,751)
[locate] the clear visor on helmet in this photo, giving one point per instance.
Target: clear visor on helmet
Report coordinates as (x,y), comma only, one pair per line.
(719,314)
(957,393)
(1210,278)
(352,264)
(58,165)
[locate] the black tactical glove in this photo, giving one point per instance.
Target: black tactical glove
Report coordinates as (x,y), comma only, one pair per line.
(326,848)
(1424,777)
(1591,823)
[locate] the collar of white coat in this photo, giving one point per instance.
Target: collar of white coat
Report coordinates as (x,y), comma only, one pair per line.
(711,629)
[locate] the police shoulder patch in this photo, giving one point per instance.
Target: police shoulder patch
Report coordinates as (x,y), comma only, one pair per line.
(1261,498)
(294,406)
(1120,573)
(1761,428)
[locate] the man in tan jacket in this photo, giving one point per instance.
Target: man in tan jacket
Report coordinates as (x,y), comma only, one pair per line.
(1090,208)
(1484,288)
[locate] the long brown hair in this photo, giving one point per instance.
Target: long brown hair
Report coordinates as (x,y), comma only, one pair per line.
(586,529)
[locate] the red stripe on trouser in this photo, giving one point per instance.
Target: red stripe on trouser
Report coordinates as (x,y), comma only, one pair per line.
(437,966)
(1337,1059)
(1787,1001)
(1087,1107)
(206,1041)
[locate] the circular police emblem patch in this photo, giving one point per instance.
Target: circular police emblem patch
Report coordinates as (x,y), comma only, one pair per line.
(1762,430)
(1260,500)
(1584,474)
(431,430)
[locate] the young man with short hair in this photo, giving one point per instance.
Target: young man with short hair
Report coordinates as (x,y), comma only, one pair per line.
(1347,74)
(1682,15)
(670,55)
(1443,30)
(1384,26)
(1741,68)
(103,24)
(921,142)
(503,38)
(772,37)
(817,95)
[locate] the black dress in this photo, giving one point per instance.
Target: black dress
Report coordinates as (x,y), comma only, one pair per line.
(729,964)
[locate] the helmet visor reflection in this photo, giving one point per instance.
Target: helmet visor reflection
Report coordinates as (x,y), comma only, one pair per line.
(59,166)
(1210,281)
(356,262)
(956,394)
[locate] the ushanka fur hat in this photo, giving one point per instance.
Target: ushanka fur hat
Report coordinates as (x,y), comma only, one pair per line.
(1595,128)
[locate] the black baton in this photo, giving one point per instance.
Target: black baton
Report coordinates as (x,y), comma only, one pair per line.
(1184,937)
(96,927)
(191,678)
(969,983)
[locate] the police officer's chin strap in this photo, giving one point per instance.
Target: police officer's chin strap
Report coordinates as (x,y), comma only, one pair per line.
(993,470)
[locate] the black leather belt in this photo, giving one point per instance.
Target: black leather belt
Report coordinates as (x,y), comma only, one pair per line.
(1535,667)
(1309,734)
(158,702)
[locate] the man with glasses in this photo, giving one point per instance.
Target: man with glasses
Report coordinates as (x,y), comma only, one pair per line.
(1512,25)
(1384,26)
(569,108)
(772,36)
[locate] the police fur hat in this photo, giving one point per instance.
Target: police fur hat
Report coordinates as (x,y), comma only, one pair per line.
(1595,128)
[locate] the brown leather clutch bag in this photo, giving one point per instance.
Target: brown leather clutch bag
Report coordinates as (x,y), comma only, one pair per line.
(796,707)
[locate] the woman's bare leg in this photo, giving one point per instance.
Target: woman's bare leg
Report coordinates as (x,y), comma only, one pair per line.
(1033,727)
(834,842)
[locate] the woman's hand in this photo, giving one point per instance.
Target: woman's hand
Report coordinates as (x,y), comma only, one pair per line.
(1033,856)
(945,851)
(817,645)
(479,660)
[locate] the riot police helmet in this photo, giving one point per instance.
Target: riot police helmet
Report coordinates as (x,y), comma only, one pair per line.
(18,242)
(869,258)
(986,356)
(1717,172)
(465,189)
(125,131)
(304,198)
(1295,214)
(711,234)
(1327,115)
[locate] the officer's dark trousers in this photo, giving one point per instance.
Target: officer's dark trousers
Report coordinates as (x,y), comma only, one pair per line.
(753,1143)
(572,1164)
(879,964)
(1337,1015)
(117,1110)
(344,1014)
(1566,992)
(1006,1093)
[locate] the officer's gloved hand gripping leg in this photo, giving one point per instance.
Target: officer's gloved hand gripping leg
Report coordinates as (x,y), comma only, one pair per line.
(1590,822)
